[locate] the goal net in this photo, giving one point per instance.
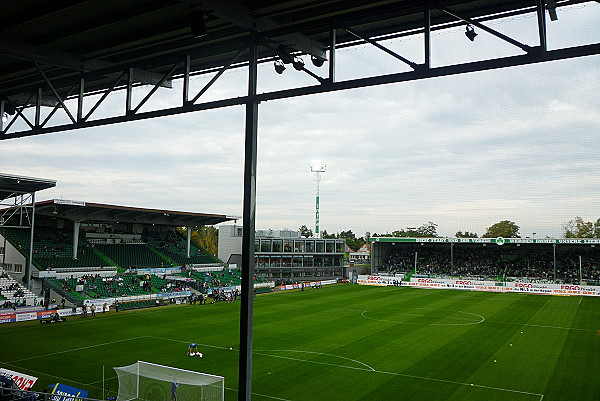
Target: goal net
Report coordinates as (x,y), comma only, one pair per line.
(146,381)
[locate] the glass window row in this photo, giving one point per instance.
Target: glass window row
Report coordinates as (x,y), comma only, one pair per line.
(299,246)
(298,261)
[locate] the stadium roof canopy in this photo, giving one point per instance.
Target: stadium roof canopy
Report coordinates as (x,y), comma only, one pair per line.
(97,212)
(55,54)
(14,185)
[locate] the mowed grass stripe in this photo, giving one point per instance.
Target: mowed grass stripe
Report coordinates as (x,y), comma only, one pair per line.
(415,359)
(580,357)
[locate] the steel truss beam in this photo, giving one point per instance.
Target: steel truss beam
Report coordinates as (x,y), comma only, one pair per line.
(45,55)
(181,67)
(327,86)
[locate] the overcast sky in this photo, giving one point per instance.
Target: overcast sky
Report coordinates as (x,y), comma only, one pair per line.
(464,152)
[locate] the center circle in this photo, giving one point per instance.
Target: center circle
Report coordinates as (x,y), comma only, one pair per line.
(423,316)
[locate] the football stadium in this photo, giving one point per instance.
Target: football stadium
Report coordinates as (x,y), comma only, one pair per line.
(101,301)
(118,295)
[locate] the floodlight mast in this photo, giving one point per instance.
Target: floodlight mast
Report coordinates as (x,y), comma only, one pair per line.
(317,167)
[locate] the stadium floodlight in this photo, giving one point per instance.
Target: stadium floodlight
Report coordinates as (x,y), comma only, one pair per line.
(317,167)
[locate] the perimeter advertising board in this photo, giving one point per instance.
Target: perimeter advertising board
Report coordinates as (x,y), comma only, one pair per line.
(25,382)
(481,285)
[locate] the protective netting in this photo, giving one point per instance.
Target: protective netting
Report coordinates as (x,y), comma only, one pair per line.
(146,381)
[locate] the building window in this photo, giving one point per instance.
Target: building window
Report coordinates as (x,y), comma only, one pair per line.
(320,246)
(330,246)
(8,267)
(310,246)
(298,246)
(265,245)
(257,245)
(277,245)
(288,245)
(18,268)
(339,247)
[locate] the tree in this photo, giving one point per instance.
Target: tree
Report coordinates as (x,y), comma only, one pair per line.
(577,228)
(355,243)
(466,234)
(504,228)
(206,237)
(426,230)
(324,234)
(347,234)
(305,231)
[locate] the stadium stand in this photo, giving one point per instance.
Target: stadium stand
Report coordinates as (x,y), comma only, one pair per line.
(53,248)
(494,263)
(130,255)
(95,286)
(13,294)
(173,246)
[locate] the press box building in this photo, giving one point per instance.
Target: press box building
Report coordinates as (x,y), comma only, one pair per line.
(284,254)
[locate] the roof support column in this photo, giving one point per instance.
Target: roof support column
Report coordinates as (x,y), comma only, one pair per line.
(249,215)
(76,225)
(29,264)
(189,236)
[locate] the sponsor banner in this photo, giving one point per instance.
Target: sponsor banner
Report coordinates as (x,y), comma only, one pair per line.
(306,284)
(7,318)
(159,270)
(374,279)
(174,294)
(69,202)
(25,382)
(62,392)
(21,317)
(7,315)
(478,285)
(497,241)
(99,302)
(46,314)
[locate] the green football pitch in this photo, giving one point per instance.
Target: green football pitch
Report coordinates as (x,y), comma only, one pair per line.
(341,342)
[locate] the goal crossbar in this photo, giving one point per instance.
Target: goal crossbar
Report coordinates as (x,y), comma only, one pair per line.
(147,381)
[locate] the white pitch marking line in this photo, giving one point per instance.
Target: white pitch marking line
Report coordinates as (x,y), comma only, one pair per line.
(401,374)
(580,299)
(470,322)
(260,395)
(350,310)
(56,377)
(78,349)
(312,352)
(541,325)
(187,342)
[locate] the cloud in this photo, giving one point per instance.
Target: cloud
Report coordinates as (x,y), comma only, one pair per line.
(461,151)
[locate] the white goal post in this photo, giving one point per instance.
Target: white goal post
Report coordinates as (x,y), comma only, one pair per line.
(146,381)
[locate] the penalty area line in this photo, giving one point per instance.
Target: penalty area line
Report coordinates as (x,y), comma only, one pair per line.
(187,342)
(541,396)
(77,349)
(260,395)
